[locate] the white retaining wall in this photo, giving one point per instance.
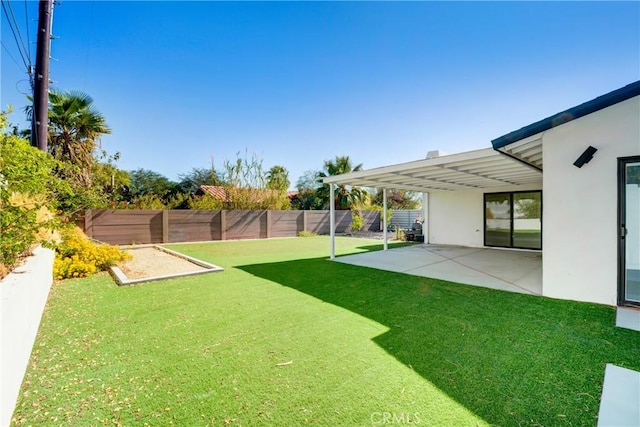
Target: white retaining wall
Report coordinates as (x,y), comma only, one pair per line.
(23,295)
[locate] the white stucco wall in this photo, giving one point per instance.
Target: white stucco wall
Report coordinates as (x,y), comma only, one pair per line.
(456,217)
(580,204)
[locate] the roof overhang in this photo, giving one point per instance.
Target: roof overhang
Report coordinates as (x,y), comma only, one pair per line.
(477,169)
(525,144)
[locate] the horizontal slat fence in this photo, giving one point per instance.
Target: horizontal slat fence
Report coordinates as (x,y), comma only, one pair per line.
(189,226)
(405,218)
(123,227)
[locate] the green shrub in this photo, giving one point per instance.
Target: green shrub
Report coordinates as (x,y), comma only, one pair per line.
(357,221)
(179,201)
(305,233)
(149,201)
(379,209)
(77,256)
(26,180)
(205,202)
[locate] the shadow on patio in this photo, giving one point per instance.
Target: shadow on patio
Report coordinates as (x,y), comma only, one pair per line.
(502,269)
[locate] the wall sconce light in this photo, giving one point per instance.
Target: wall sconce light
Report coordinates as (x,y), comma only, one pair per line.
(585,157)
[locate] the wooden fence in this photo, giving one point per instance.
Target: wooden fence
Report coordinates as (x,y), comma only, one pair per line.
(123,227)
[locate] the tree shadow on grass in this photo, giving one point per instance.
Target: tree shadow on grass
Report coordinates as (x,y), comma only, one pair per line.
(512,359)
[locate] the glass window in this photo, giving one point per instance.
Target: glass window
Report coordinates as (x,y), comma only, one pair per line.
(632,234)
(513,220)
(497,219)
(527,220)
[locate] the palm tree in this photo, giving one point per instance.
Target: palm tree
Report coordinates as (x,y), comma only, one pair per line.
(75,127)
(74,130)
(345,196)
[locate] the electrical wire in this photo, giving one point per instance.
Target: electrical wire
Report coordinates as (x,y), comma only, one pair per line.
(15,21)
(22,50)
(26,20)
(9,53)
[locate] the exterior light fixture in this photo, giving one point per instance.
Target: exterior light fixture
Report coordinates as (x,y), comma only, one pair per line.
(585,157)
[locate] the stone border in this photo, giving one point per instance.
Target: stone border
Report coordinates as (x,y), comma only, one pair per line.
(23,296)
(121,278)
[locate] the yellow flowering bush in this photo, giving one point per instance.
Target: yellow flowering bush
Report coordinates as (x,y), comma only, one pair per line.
(72,267)
(26,202)
(78,256)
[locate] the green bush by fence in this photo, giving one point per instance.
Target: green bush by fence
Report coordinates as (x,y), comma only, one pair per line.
(25,197)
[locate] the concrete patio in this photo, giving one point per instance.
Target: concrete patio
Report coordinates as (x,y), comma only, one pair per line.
(507,270)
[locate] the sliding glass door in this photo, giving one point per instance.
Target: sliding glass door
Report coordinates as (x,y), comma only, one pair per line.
(497,230)
(629,226)
(513,220)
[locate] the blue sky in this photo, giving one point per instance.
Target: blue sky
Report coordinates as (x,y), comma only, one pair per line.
(182,83)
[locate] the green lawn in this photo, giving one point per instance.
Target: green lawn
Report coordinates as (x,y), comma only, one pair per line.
(285,337)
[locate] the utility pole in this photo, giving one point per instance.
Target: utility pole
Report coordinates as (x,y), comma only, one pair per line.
(39,120)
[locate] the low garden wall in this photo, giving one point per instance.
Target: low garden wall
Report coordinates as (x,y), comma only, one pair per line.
(23,295)
(124,227)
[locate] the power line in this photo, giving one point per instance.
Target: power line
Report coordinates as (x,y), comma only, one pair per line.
(9,53)
(17,36)
(17,27)
(25,48)
(26,20)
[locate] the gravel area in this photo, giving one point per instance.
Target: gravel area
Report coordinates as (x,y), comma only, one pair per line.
(153,262)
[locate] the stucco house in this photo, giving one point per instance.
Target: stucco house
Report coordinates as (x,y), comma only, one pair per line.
(567,185)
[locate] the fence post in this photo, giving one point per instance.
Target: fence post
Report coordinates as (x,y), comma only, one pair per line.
(269,219)
(88,223)
(305,220)
(165,226)
(223,225)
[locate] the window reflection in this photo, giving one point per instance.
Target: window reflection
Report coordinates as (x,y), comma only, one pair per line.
(514,219)
(527,220)
(498,220)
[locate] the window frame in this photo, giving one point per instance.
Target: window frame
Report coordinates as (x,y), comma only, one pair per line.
(511,219)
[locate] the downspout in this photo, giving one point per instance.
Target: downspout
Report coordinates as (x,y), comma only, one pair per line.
(384,219)
(332,220)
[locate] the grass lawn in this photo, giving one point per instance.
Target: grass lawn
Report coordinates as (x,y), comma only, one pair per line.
(285,337)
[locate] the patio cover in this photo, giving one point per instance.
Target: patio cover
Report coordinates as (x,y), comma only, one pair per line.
(484,168)
(477,169)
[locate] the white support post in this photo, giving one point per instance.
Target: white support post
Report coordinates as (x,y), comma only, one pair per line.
(332,220)
(384,218)
(425,219)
